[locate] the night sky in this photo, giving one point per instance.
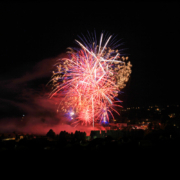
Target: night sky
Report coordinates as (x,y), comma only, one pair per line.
(33,35)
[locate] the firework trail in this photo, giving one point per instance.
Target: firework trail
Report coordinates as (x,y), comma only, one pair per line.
(88,81)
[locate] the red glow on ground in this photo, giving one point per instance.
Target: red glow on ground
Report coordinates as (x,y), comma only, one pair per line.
(43,128)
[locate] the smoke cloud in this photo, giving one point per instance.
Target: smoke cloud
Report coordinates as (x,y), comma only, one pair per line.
(25,106)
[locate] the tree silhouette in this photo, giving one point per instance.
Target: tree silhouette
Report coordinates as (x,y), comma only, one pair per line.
(51,134)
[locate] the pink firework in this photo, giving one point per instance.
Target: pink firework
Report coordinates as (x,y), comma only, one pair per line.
(89,81)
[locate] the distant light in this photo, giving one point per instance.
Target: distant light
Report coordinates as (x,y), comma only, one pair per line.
(23,115)
(8,139)
(167,105)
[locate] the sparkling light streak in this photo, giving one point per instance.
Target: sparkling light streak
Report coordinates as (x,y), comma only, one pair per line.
(88,81)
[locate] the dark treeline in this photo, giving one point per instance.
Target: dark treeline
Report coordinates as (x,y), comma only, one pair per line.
(125,141)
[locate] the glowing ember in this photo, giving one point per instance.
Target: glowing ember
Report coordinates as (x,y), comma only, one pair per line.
(89,80)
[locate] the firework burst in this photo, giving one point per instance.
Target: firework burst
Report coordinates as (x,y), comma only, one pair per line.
(90,79)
